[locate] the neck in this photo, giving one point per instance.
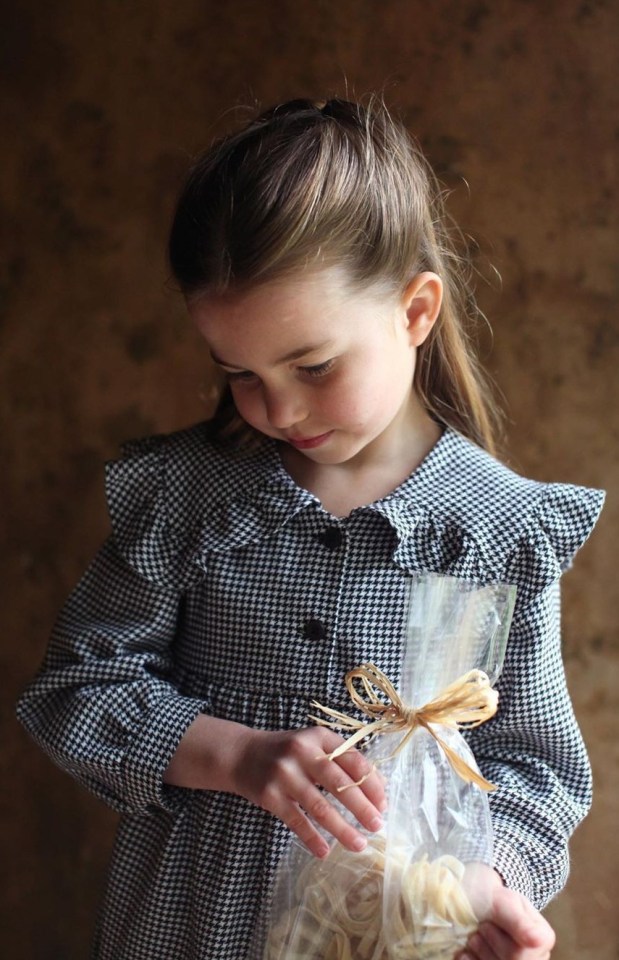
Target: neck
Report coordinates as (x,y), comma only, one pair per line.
(367,477)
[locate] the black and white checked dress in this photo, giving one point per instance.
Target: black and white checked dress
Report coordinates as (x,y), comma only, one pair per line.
(225,588)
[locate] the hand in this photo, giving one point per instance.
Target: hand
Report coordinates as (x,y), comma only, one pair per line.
(512,928)
(281,772)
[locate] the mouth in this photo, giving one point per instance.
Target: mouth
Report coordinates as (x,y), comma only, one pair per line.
(308,443)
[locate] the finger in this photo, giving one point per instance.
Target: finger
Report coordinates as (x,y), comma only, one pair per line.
(478,949)
(320,809)
(284,805)
(364,812)
(493,944)
(334,779)
(497,944)
(490,943)
(356,766)
(295,819)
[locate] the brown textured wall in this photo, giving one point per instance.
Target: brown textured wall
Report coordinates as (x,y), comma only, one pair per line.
(101,105)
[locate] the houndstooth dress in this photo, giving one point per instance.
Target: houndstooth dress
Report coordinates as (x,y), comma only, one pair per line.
(225,588)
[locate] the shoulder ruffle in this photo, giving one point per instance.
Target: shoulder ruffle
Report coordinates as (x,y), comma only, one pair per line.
(431,542)
(563,520)
(466,515)
(174,499)
(136,496)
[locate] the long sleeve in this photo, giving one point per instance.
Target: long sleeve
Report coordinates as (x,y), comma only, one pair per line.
(103,705)
(533,750)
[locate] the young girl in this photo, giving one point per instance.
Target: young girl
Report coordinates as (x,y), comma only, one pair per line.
(257,558)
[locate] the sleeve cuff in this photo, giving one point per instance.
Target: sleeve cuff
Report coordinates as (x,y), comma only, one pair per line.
(152,750)
(512,868)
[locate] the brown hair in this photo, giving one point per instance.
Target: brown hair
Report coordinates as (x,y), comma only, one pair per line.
(325,183)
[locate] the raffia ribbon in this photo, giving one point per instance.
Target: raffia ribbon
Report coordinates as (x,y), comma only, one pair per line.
(465,703)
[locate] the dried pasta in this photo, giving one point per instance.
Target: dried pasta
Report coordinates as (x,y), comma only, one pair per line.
(339,909)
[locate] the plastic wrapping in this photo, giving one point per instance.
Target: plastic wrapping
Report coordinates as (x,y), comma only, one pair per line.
(409,894)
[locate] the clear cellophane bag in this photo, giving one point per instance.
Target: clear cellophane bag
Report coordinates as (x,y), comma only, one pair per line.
(415,892)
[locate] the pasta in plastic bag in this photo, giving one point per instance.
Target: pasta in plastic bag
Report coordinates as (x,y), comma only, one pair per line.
(408,895)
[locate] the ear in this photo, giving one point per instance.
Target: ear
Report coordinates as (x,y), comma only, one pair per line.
(421,301)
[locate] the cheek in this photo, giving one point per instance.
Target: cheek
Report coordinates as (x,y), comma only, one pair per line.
(355,401)
(370,399)
(247,405)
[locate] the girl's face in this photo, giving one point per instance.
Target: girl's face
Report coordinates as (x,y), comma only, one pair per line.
(319,364)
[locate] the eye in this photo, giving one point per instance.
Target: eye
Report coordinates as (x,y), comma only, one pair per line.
(319,369)
(239,376)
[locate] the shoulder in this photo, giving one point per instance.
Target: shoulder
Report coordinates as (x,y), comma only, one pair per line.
(495,501)
(502,506)
(186,459)
(507,527)
(174,497)
(465,471)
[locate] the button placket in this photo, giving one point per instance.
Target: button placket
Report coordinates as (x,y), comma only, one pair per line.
(332,538)
(314,630)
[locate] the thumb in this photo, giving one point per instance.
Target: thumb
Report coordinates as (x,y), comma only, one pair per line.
(518,918)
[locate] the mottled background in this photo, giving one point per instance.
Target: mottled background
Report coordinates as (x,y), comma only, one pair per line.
(102,104)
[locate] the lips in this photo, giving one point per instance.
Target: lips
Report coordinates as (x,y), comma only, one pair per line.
(308,443)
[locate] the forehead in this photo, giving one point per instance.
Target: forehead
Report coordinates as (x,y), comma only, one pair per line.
(288,313)
(287,295)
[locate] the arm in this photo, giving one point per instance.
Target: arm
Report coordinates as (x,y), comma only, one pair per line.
(103,706)
(534,751)
(512,929)
(280,771)
(105,710)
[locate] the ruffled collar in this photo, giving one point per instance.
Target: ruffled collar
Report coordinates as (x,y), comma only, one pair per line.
(460,513)
(425,540)
(176,500)
(262,507)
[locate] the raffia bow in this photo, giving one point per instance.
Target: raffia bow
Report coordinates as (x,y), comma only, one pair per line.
(465,703)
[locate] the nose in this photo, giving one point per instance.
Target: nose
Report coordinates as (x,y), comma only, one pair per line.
(284,407)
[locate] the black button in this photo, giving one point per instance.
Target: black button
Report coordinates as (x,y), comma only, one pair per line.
(314,630)
(332,538)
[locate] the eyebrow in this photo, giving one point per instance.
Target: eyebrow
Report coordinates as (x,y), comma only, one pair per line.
(293,355)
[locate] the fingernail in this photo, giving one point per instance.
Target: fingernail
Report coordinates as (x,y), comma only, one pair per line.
(376,823)
(359,844)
